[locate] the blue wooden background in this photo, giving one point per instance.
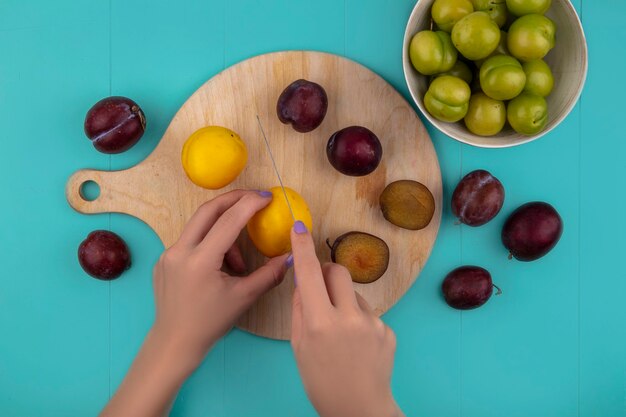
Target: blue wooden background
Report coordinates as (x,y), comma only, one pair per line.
(554,344)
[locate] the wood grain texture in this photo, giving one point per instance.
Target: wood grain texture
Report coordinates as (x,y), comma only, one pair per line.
(158,192)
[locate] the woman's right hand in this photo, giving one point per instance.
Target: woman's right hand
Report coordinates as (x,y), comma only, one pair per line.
(343,350)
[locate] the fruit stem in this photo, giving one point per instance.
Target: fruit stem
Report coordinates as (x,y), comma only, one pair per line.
(328,243)
(510,256)
(458,222)
(498,288)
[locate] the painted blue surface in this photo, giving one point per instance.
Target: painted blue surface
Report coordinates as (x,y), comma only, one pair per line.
(553,345)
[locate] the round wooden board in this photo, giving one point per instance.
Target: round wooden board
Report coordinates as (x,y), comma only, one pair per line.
(158,192)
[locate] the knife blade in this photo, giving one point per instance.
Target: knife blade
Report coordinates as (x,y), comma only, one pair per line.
(280,180)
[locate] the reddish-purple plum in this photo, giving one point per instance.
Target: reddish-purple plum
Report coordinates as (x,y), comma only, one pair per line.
(532,230)
(303,104)
(467,287)
(104,255)
(477,198)
(354,151)
(115,124)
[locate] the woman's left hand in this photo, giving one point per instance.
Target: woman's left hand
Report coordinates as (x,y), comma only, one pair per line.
(196,302)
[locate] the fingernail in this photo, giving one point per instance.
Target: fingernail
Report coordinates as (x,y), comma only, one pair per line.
(299,227)
(265,194)
(289,261)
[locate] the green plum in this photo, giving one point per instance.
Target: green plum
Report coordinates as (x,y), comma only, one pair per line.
(447,98)
(501,49)
(485,116)
(496,9)
(446,13)
(539,78)
(524,7)
(432,52)
(527,113)
(531,37)
(502,77)
(476,36)
(460,69)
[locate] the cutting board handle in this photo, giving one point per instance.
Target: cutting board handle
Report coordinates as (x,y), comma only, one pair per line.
(115,193)
(119,194)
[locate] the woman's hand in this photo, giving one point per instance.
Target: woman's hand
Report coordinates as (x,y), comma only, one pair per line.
(343,350)
(196,303)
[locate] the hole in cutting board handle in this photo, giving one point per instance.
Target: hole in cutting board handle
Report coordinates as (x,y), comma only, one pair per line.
(89,190)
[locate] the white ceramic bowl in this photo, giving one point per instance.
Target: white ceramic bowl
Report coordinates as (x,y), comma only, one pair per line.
(568,61)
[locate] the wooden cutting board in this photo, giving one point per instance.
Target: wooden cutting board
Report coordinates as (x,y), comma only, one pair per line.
(158,192)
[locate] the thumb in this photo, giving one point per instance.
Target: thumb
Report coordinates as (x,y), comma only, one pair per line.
(365,306)
(265,278)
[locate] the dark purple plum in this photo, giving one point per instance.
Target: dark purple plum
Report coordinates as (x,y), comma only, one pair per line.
(303,104)
(531,231)
(115,124)
(477,198)
(467,287)
(104,255)
(354,151)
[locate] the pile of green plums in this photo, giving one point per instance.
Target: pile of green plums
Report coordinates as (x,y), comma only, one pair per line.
(485,63)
